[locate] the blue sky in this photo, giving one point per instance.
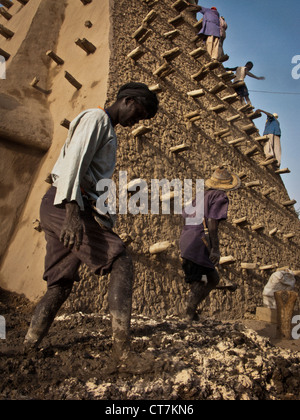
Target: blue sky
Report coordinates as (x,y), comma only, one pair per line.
(267,32)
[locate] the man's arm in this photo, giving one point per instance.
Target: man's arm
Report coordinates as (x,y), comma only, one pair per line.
(255,77)
(231,68)
(213,225)
(72,228)
(265,112)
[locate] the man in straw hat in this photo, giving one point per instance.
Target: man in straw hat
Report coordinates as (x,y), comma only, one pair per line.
(272,147)
(199,244)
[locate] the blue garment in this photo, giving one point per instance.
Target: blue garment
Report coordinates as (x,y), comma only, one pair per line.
(272,127)
(211,22)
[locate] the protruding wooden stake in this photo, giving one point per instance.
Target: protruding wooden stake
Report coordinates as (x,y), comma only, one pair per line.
(171,54)
(285,301)
(141,130)
(178,20)
(252,151)
(241,221)
(7,33)
(178,149)
(150,17)
(253,184)
(4,54)
(7,3)
(172,34)
(268,192)
(227,260)
(180,5)
(34,82)
(268,267)
(273,231)
(289,203)
(160,247)
(279,171)
(235,142)
(198,52)
(65,123)
(233,118)
(196,93)
(86,45)
(55,57)
(73,81)
(218,88)
(218,109)
(5,14)
(249,266)
(136,53)
(230,99)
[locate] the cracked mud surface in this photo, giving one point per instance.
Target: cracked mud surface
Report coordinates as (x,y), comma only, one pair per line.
(210,360)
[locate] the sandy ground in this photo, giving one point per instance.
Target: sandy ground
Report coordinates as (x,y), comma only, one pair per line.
(210,360)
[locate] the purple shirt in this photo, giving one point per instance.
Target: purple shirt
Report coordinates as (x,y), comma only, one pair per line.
(191,245)
(211,22)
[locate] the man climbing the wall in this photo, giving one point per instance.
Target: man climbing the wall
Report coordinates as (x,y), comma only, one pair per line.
(75,232)
(199,243)
(239,81)
(272,147)
(210,29)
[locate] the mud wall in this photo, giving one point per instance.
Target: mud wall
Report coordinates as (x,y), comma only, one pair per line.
(159,286)
(28,160)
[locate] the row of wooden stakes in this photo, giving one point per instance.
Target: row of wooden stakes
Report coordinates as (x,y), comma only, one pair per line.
(161,247)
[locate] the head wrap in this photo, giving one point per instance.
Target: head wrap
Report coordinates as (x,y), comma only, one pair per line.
(141,93)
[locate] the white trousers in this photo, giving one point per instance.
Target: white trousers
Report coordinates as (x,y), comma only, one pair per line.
(272,148)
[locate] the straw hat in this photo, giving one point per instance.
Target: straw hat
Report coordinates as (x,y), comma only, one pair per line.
(223,180)
(275,115)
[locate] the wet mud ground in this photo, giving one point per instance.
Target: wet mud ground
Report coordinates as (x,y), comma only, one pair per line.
(169,360)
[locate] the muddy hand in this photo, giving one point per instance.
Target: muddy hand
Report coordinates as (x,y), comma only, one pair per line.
(72,230)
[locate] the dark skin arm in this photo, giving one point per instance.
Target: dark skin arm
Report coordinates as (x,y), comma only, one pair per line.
(215,255)
(267,113)
(72,229)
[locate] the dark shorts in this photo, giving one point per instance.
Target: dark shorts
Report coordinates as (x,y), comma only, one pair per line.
(242,91)
(98,251)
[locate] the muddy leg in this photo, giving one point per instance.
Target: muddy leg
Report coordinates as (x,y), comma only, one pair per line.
(45,313)
(120,301)
(199,292)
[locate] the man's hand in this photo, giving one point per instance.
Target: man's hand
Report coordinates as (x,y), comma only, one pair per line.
(72,230)
(215,256)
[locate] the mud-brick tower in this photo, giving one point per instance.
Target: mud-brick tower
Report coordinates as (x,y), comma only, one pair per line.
(94,48)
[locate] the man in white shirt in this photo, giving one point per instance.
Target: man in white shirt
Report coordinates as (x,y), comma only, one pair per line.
(239,84)
(74,231)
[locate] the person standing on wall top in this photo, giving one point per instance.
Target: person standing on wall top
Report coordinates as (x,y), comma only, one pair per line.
(272,147)
(210,29)
(199,243)
(239,80)
(223,29)
(75,231)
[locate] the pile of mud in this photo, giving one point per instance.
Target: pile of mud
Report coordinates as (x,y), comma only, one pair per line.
(210,360)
